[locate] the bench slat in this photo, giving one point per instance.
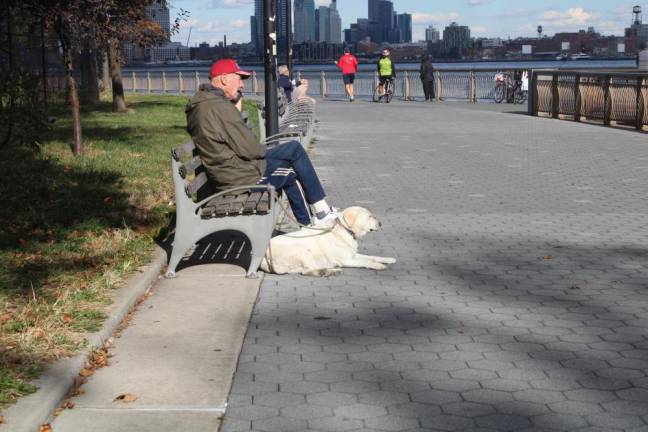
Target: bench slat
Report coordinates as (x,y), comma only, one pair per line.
(251,203)
(236,204)
(221,207)
(192,187)
(246,204)
(190,166)
(263,206)
(185,148)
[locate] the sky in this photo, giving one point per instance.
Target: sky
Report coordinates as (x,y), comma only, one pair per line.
(210,20)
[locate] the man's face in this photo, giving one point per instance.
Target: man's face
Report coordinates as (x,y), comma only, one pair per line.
(385,53)
(231,84)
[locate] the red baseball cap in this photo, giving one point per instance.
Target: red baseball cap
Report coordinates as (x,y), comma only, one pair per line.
(227,66)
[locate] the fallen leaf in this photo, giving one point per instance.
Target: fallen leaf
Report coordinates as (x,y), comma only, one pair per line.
(5,317)
(38,334)
(126,398)
(86,373)
(57,412)
(46,427)
(547,257)
(68,405)
(2,420)
(67,318)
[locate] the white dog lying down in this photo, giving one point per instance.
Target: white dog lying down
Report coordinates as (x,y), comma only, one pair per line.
(322,253)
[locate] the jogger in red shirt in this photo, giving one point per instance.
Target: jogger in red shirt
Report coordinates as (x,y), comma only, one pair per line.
(349,65)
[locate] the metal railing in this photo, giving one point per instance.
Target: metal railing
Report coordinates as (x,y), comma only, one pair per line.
(609,98)
(450,84)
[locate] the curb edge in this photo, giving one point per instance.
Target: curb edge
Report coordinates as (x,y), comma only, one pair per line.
(30,412)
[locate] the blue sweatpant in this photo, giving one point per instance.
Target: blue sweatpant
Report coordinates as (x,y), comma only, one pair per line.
(289,168)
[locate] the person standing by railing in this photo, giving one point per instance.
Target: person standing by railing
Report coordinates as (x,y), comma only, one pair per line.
(427,77)
(349,65)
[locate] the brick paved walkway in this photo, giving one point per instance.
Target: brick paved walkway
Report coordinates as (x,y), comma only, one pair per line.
(519,301)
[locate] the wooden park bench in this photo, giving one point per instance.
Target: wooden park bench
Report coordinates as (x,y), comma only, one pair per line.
(252,210)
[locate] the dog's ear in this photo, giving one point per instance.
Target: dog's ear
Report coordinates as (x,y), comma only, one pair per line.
(350,215)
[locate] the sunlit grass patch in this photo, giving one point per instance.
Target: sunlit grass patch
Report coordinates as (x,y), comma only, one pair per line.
(72,229)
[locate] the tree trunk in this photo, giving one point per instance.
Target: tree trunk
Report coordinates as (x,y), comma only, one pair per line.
(105,72)
(77,146)
(119,102)
(90,92)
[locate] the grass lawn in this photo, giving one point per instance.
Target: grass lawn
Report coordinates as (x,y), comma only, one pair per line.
(72,229)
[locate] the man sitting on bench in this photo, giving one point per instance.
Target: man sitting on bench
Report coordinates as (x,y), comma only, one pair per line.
(233,156)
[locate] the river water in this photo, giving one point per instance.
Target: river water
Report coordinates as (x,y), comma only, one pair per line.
(539,64)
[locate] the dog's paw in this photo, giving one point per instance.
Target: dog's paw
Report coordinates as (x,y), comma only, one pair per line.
(323,272)
(388,260)
(330,272)
(378,266)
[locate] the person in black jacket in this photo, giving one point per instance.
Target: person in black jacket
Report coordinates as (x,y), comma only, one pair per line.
(286,83)
(427,77)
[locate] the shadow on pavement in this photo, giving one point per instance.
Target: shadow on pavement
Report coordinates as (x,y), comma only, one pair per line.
(490,340)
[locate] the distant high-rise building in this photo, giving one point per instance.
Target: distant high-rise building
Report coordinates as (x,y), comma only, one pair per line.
(323,24)
(456,38)
(257,31)
(304,17)
(404,25)
(256,27)
(386,19)
(432,34)
(373,10)
(282,25)
(158,12)
(329,24)
(335,23)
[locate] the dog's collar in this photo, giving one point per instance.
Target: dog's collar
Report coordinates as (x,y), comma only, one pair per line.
(340,221)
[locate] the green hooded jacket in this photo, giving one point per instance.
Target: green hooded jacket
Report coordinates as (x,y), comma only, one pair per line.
(230,151)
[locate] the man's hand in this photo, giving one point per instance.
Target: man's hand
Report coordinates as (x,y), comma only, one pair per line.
(239,104)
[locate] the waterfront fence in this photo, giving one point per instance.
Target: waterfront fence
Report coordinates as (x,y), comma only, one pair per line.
(450,84)
(607,98)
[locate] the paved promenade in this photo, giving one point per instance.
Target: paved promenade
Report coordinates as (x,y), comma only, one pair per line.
(519,301)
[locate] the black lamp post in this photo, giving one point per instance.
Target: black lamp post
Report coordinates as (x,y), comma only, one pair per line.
(270,67)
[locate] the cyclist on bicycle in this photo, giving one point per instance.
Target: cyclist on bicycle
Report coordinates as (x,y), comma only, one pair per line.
(386,71)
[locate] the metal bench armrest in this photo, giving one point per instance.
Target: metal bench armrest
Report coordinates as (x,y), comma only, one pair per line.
(265,187)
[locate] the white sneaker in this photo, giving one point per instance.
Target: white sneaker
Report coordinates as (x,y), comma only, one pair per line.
(327,220)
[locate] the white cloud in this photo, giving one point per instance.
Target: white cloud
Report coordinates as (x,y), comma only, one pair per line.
(479,2)
(516,13)
(434,18)
(215,4)
(570,17)
(478,30)
(240,24)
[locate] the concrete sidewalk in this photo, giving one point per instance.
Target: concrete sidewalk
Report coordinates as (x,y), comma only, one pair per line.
(518,302)
(177,356)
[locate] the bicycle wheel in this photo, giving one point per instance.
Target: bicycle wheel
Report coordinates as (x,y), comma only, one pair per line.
(500,93)
(389,91)
(520,96)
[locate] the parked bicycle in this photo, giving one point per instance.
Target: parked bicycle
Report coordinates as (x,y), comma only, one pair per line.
(388,91)
(510,88)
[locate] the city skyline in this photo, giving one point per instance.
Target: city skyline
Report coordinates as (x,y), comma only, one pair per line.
(210,20)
